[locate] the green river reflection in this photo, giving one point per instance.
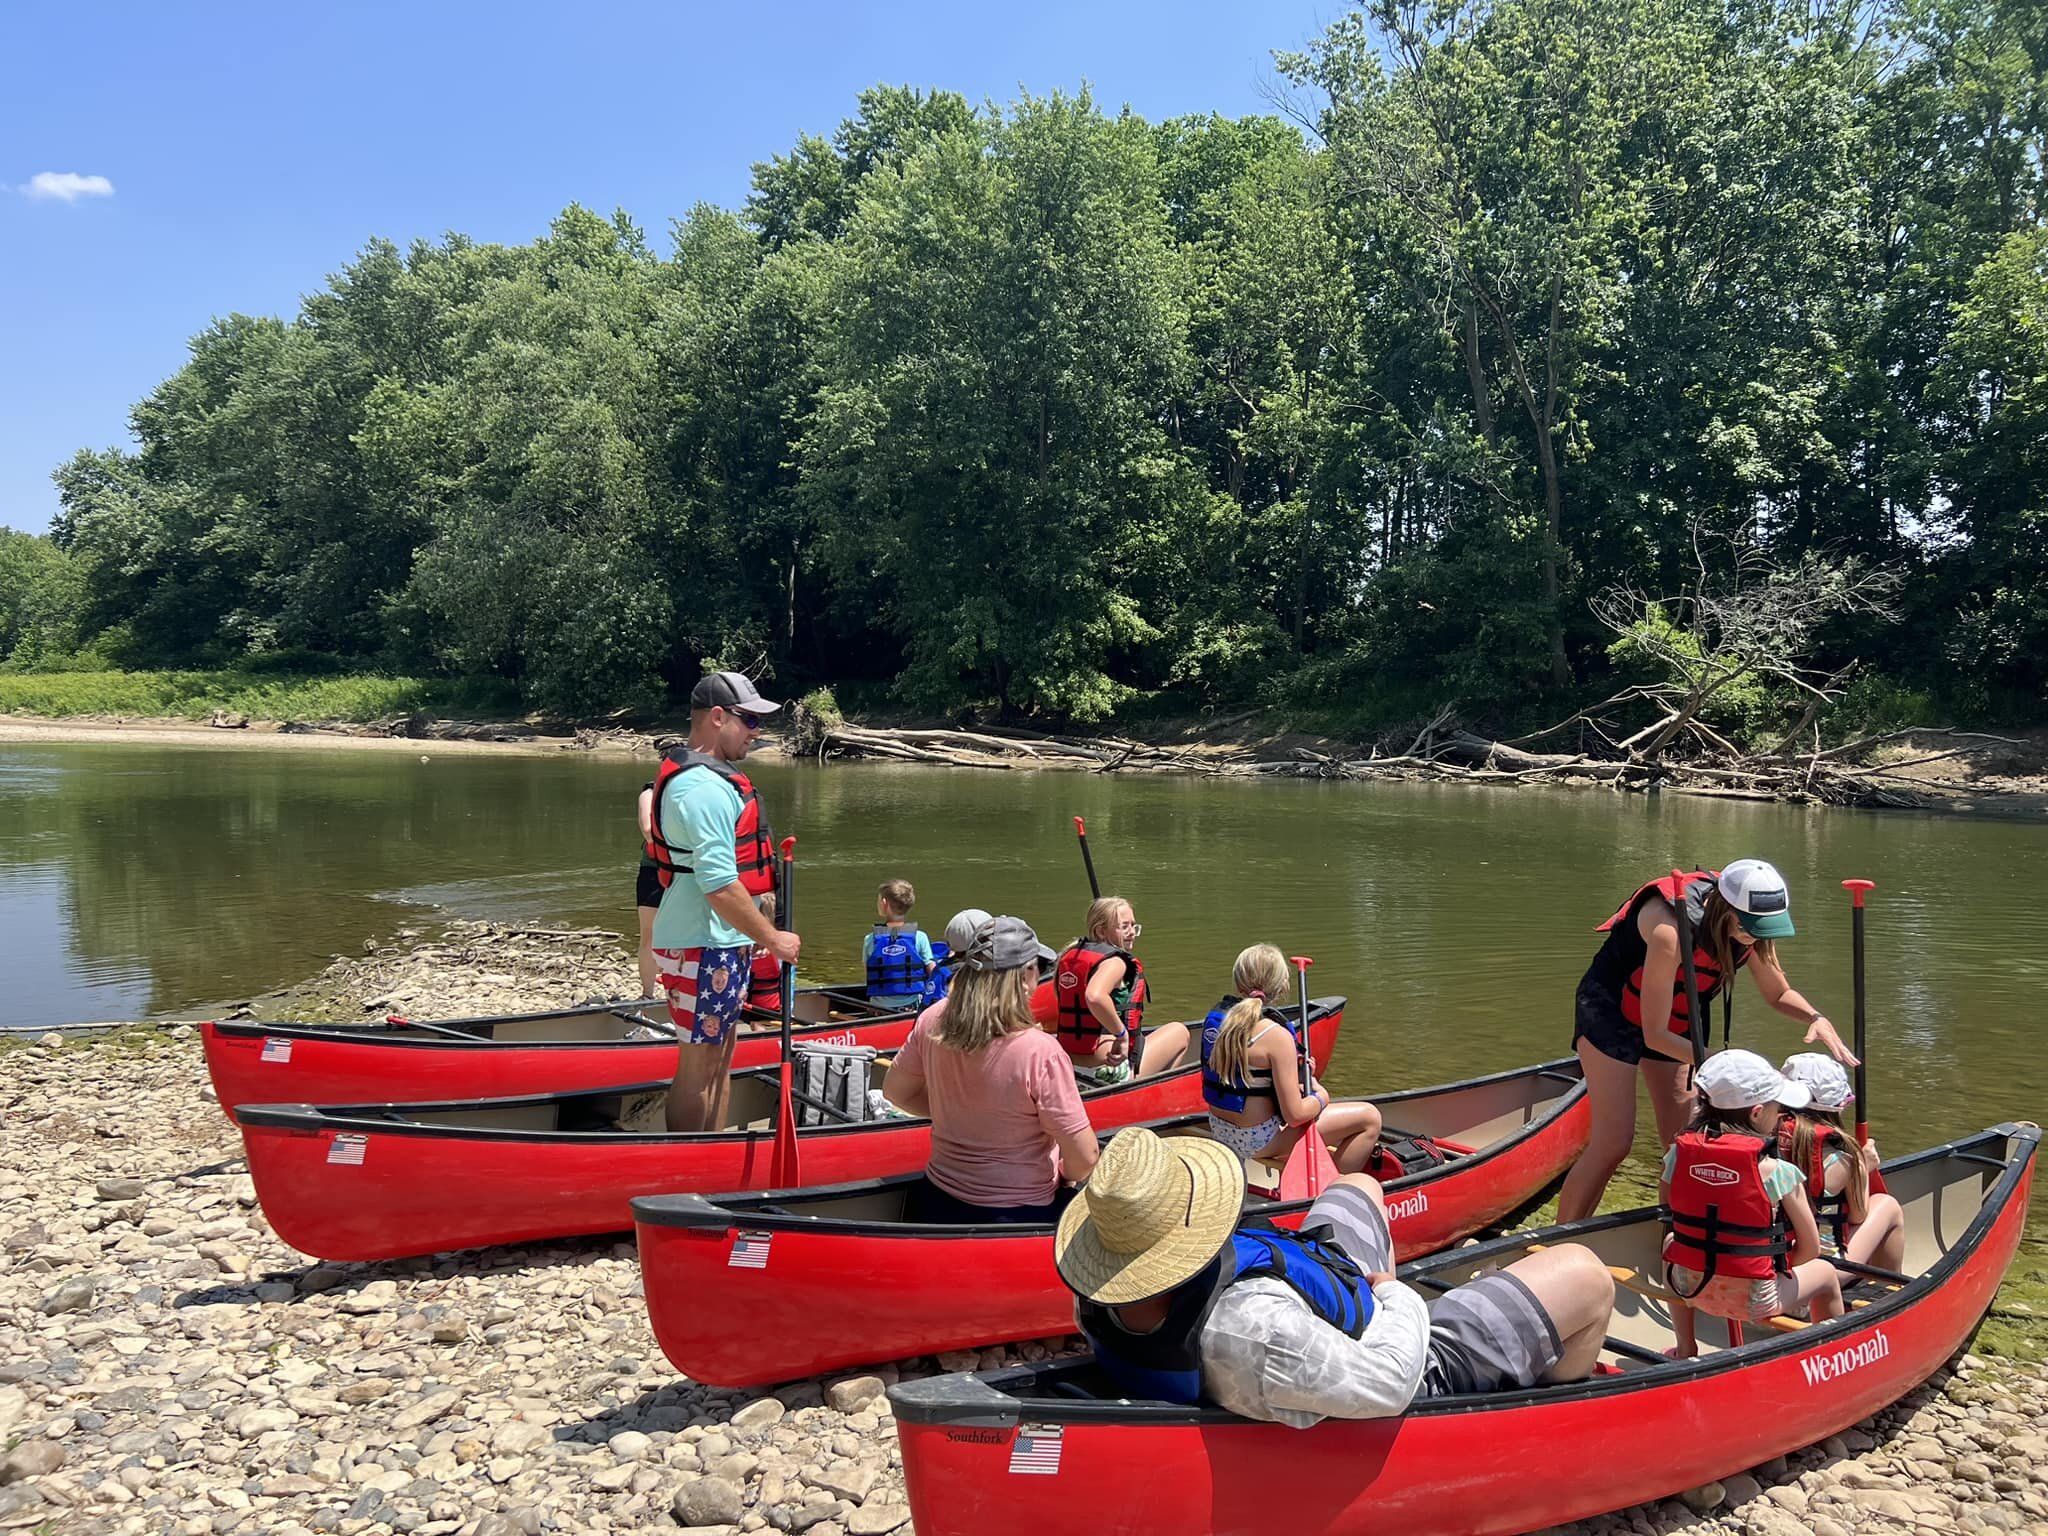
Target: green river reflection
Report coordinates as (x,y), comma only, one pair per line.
(138,880)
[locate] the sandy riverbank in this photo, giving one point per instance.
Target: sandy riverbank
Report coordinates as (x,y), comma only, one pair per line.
(172,1366)
(2017,788)
(272,735)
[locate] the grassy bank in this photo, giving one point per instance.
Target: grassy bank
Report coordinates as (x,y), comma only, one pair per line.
(258,695)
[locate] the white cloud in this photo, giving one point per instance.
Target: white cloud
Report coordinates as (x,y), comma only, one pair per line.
(66,186)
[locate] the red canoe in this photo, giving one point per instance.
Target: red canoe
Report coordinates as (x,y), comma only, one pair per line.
(505,1056)
(792,1263)
(375,1181)
(1036,1452)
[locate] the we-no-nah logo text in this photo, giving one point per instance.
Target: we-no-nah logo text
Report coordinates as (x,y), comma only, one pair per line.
(1821,1369)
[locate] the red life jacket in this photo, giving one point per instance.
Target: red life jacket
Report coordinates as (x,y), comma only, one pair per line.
(764,983)
(753,842)
(1077,1029)
(1832,1210)
(1705,967)
(1722,1222)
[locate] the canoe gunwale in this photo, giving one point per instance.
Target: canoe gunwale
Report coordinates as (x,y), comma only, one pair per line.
(377,1118)
(379,1033)
(719,1212)
(979,1401)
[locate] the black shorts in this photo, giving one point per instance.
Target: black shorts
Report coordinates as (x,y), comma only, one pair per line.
(1596,1018)
(647,889)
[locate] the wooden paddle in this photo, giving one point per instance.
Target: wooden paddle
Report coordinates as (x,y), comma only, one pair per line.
(1094,885)
(787,1169)
(1857,890)
(1309,1169)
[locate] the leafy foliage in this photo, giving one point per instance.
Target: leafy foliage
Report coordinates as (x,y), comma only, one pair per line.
(1051,410)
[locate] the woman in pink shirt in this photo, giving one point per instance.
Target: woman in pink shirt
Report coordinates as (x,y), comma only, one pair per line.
(1007,1121)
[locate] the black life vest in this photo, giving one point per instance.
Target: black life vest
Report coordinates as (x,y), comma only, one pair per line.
(1166,1364)
(1722,1222)
(1076,1027)
(753,841)
(1619,964)
(894,969)
(1257,1081)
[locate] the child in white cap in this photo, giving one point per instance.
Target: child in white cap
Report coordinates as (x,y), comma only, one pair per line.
(1743,1242)
(1859,1225)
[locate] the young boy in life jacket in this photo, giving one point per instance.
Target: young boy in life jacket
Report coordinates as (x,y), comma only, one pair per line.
(896,953)
(1860,1226)
(1743,1243)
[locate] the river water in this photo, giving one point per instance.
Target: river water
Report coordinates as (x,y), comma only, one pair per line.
(144,880)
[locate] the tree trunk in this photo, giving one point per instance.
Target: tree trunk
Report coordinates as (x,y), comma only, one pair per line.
(1475,374)
(789,625)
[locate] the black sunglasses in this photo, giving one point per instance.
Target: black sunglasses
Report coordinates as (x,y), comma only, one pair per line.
(751,721)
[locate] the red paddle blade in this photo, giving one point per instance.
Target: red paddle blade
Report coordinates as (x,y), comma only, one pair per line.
(1309,1169)
(786,1171)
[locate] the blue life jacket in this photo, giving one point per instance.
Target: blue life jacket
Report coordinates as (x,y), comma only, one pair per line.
(941,978)
(1165,1365)
(894,967)
(1256,1082)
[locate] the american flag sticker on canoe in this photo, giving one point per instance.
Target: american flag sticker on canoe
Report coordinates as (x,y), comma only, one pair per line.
(277,1050)
(749,1251)
(348,1148)
(1036,1450)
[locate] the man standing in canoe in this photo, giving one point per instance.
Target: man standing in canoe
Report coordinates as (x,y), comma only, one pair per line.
(716,854)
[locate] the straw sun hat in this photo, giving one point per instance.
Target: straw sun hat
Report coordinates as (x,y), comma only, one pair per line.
(1153,1214)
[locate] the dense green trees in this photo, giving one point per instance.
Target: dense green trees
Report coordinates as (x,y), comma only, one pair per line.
(1055,409)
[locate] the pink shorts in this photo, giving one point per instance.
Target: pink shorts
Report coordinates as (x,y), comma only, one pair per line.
(706,989)
(1735,1296)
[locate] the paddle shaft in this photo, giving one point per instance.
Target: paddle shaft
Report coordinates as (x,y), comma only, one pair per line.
(1301,963)
(785,918)
(1857,890)
(1696,1024)
(787,1161)
(1309,1169)
(1087,859)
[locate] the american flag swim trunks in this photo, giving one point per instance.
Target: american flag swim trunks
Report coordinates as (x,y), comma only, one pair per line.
(705,989)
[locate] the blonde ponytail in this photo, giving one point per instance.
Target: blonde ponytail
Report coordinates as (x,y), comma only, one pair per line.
(1260,977)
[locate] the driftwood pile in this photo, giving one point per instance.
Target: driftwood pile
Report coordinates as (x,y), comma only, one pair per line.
(994,747)
(1441,749)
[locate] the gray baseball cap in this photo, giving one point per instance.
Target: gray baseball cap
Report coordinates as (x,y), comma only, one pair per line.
(1002,944)
(730,690)
(961,930)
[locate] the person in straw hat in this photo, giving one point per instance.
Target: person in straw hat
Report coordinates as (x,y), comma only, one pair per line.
(1184,1300)
(1007,1118)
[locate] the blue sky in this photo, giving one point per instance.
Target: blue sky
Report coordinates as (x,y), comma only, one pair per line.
(251,150)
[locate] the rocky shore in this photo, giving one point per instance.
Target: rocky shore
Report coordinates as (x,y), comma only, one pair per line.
(167,1364)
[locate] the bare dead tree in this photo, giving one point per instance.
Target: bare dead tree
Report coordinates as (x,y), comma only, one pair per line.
(1755,620)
